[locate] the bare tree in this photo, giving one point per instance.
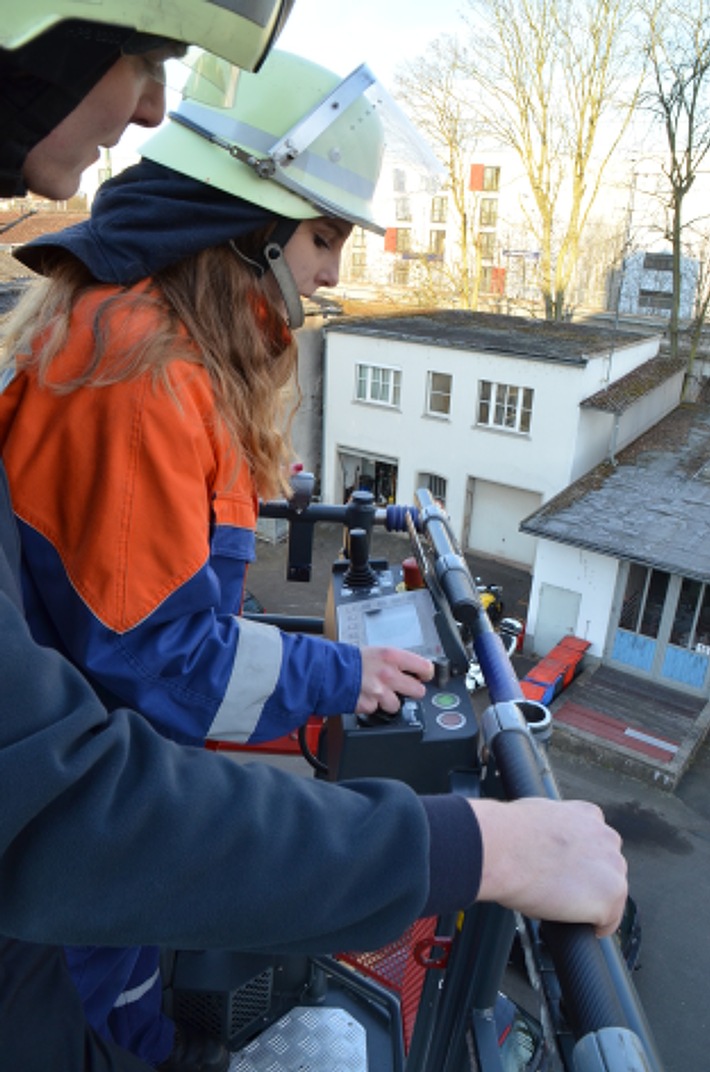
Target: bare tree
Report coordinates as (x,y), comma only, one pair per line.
(437,95)
(679,54)
(699,248)
(555,82)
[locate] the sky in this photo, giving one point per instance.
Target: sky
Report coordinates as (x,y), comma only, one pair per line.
(342,34)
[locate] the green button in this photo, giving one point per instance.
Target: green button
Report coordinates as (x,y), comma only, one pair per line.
(446,700)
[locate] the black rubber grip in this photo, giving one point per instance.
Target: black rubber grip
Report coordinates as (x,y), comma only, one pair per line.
(590,999)
(590,1003)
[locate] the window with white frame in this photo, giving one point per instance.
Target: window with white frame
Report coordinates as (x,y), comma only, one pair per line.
(435,484)
(439,393)
(437,243)
(489,212)
(403,208)
(400,274)
(358,264)
(399,180)
(491,178)
(378,383)
(439,209)
(404,240)
(487,244)
(505,405)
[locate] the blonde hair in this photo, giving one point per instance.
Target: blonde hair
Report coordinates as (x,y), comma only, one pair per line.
(209,309)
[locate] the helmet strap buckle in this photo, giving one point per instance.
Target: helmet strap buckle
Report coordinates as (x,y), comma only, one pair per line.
(276,261)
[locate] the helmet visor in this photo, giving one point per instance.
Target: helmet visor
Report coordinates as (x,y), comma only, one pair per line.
(203,77)
(332,157)
(243,31)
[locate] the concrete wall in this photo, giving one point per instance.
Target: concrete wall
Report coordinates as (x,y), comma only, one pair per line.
(594,433)
(570,577)
(307,430)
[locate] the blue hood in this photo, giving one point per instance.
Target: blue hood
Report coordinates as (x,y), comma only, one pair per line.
(145,219)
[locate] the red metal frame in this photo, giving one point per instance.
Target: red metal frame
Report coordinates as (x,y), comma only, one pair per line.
(282,746)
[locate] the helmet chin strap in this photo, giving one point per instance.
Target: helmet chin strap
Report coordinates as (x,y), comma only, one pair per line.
(272,259)
(274,256)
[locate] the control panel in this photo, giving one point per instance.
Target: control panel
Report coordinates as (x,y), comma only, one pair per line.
(428,739)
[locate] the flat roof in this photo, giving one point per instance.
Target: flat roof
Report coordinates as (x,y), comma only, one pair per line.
(510,336)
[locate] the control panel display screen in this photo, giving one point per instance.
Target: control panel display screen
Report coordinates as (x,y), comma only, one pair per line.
(404,620)
(394,619)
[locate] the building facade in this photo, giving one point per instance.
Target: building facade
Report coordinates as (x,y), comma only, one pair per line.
(558,448)
(484,411)
(623,556)
(647,285)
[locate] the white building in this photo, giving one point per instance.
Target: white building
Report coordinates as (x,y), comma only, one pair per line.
(417,261)
(486,411)
(496,416)
(624,557)
(422,246)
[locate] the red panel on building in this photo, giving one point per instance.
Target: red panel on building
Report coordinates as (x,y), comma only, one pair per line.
(475,181)
(498,280)
(391,240)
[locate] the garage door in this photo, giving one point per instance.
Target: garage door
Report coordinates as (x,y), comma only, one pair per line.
(496,511)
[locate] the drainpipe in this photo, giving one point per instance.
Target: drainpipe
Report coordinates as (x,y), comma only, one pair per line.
(614,438)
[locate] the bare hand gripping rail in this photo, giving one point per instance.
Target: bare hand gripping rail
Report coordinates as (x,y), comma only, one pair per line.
(599,1001)
(599,998)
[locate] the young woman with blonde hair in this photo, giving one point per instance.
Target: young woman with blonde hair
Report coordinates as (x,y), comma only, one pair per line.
(159,350)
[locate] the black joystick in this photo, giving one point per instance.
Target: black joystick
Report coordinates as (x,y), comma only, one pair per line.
(379,717)
(360,573)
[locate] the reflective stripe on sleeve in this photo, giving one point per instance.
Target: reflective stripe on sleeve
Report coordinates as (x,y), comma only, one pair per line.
(130,997)
(254,677)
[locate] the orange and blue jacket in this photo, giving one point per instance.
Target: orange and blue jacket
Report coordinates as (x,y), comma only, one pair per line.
(136,538)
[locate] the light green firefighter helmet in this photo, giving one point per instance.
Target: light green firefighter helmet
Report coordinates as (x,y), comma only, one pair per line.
(242,31)
(294,138)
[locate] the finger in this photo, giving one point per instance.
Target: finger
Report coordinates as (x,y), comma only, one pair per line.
(366,704)
(390,702)
(410,663)
(408,685)
(611,928)
(615,914)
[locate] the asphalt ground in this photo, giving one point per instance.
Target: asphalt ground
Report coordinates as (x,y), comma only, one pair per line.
(666,834)
(267,576)
(666,840)
(622,717)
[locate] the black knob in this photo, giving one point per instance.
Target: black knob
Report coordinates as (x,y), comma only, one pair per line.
(442,671)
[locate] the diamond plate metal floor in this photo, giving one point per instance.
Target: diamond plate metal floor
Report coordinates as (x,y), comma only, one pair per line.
(307,1040)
